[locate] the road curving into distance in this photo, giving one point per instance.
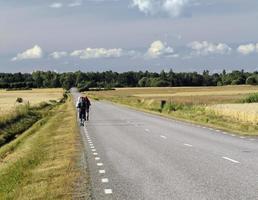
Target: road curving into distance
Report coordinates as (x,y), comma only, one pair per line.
(138,156)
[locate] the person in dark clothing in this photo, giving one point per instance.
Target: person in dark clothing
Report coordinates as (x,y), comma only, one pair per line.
(83,105)
(87,111)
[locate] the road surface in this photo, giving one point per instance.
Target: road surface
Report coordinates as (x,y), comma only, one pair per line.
(138,156)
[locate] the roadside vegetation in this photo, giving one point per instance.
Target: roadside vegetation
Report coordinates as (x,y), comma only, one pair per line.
(220,107)
(21,109)
(43,163)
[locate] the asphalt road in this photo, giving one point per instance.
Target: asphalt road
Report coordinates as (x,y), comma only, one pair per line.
(134,156)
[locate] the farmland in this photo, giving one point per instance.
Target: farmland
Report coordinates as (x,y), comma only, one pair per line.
(202,105)
(33,97)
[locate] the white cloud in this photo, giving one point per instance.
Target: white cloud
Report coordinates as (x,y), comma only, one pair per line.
(205,48)
(34,53)
(158,49)
(173,8)
(90,53)
(58,54)
(56,5)
(248,49)
(75,3)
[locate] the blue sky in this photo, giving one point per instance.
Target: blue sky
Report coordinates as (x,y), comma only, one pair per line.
(123,35)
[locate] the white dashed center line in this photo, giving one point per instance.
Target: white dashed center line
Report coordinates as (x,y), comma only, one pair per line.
(93,150)
(95,154)
(108,191)
(102,171)
(99,164)
(97,158)
(104,180)
(188,145)
(164,137)
(231,160)
(147,130)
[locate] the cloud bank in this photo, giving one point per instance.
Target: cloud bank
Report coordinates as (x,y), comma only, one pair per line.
(90,53)
(56,5)
(34,53)
(58,54)
(172,8)
(158,49)
(248,49)
(205,48)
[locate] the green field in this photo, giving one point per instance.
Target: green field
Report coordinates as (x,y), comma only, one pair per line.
(196,104)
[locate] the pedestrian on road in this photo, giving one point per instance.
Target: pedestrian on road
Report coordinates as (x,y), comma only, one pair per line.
(88,104)
(83,104)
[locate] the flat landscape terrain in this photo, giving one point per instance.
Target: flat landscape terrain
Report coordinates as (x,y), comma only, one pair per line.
(34,97)
(187,95)
(221,107)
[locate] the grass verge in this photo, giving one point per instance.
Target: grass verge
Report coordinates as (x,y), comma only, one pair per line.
(43,162)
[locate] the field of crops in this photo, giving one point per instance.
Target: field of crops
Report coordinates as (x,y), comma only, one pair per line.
(183,95)
(241,112)
(34,97)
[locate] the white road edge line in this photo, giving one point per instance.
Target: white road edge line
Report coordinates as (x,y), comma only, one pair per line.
(229,159)
(104,180)
(99,164)
(102,171)
(164,137)
(108,191)
(188,145)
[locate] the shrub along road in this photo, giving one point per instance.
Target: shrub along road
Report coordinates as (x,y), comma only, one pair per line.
(135,155)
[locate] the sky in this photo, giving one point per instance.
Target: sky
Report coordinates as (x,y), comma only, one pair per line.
(125,35)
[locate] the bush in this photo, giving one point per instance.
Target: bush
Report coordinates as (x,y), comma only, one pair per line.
(252,80)
(252,98)
(172,107)
(19,100)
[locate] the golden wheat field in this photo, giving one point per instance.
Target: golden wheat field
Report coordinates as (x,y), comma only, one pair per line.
(34,97)
(241,112)
(185,95)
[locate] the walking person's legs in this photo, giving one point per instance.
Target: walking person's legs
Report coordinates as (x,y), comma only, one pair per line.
(87,114)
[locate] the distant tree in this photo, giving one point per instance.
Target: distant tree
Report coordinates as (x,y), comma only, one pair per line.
(252,80)
(143,82)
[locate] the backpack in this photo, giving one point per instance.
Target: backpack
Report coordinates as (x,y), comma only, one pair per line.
(83,103)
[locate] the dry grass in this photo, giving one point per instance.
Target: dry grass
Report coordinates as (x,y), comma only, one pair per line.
(34,97)
(184,95)
(241,112)
(42,163)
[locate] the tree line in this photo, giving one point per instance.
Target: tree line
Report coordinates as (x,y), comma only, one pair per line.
(110,79)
